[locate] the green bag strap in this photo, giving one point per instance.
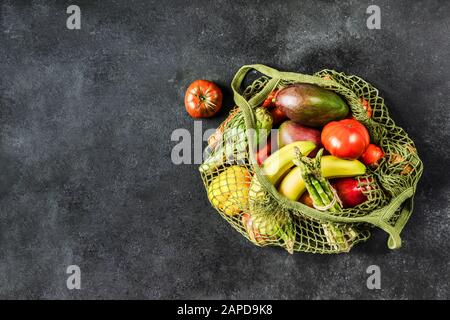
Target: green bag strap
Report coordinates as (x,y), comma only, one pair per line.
(258,98)
(382,216)
(379,217)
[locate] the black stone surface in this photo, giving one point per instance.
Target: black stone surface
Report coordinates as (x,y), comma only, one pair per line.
(86,119)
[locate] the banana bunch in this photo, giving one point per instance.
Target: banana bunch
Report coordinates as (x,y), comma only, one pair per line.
(276,166)
(293,185)
(278,170)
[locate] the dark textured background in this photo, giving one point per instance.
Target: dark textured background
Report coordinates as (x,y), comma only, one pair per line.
(85,124)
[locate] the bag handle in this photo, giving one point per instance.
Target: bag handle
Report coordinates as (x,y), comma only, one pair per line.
(260,96)
(379,217)
(275,76)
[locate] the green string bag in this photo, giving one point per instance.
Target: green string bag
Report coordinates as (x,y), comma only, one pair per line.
(243,195)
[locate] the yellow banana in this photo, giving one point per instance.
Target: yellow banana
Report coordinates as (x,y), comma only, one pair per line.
(334,167)
(275,166)
(292,186)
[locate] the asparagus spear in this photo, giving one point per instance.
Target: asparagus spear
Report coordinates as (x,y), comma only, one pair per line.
(324,198)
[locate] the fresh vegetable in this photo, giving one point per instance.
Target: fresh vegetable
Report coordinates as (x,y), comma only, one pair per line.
(264,123)
(318,187)
(235,135)
(290,131)
(270,100)
(324,198)
(350,191)
(278,116)
(234,144)
(372,155)
(293,186)
(346,139)
(203,99)
(311,105)
(229,190)
(262,228)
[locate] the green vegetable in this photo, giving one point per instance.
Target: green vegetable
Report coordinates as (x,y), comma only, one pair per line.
(264,123)
(318,187)
(324,198)
(264,227)
(234,145)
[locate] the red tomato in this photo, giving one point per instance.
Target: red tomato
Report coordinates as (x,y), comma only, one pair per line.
(278,116)
(372,155)
(346,139)
(203,99)
(349,192)
(270,100)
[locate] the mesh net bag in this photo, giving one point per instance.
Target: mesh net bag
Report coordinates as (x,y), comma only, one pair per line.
(243,195)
